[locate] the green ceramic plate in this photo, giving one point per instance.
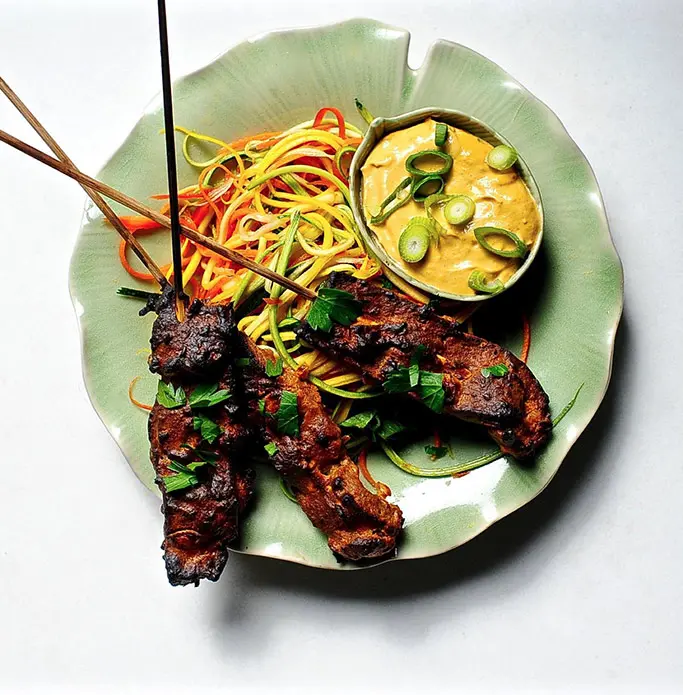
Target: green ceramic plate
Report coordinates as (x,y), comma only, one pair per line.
(573,293)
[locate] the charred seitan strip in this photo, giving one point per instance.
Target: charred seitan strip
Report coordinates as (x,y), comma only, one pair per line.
(312,459)
(386,335)
(200,518)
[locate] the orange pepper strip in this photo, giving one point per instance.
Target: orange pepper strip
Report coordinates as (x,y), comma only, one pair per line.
(380,488)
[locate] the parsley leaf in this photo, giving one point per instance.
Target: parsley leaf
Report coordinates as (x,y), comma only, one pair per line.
(361,420)
(262,406)
(388,428)
(371,421)
(274,368)
(170,397)
(427,385)
(287,416)
(208,395)
(436,452)
(414,370)
(209,430)
(242,361)
(335,306)
(184,475)
(386,283)
(431,390)
(271,449)
(398,381)
(495,370)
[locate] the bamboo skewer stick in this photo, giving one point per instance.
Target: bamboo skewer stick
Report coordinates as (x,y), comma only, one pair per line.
(157,217)
(137,247)
(171,169)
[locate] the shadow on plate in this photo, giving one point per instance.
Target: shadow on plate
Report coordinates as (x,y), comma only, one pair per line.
(488,551)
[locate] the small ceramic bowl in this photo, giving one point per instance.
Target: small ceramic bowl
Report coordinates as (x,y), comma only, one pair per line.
(381,127)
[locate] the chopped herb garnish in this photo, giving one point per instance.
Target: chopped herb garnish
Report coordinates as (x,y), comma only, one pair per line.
(271,449)
(138,294)
(170,397)
(331,306)
(386,283)
(427,385)
(209,430)
(208,395)
(287,416)
(184,475)
(414,369)
(360,420)
(431,390)
(242,361)
(262,406)
(436,452)
(495,370)
(274,368)
(377,427)
(388,428)
(398,381)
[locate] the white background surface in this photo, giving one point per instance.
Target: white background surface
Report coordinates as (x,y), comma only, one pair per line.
(580,591)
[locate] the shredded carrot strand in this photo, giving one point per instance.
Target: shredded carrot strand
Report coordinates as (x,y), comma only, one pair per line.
(380,488)
(133,400)
(526,341)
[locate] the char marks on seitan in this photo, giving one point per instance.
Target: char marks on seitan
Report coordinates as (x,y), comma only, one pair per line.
(199,520)
(385,336)
(359,524)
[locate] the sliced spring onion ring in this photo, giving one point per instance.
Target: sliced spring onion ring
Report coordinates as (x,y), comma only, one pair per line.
(413,243)
(422,188)
(440,134)
(501,158)
(477,281)
(520,250)
(398,197)
(459,209)
(429,203)
(414,160)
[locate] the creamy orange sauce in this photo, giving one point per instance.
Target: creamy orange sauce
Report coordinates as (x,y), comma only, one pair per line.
(502,199)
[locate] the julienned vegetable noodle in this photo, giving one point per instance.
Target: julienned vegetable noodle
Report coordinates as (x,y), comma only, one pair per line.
(282,199)
(247,196)
(449,208)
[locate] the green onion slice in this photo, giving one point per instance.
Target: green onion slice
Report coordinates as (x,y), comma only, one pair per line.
(429,203)
(414,160)
(520,250)
(440,134)
(501,158)
(413,243)
(459,209)
(398,197)
(477,281)
(422,188)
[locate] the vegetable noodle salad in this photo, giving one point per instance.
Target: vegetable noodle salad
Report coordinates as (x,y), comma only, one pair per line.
(281,199)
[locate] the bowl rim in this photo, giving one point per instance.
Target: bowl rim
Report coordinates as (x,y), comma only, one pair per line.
(381,126)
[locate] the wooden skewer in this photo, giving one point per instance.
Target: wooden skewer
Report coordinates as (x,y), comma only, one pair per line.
(173,207)
(157,217)
(139,250)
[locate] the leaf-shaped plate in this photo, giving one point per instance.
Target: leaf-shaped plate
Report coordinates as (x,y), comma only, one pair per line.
(575,286)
